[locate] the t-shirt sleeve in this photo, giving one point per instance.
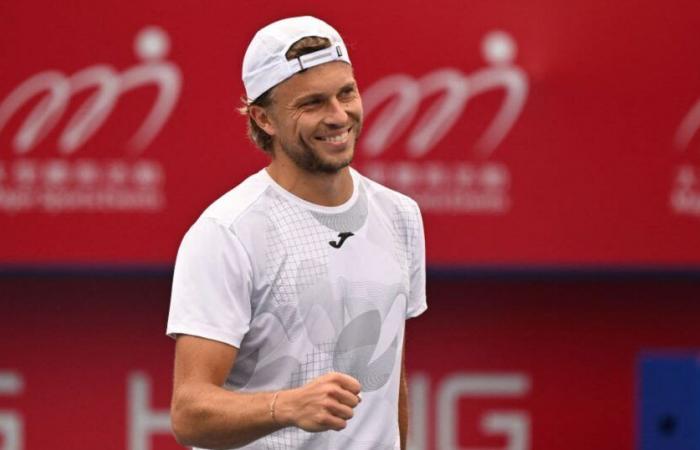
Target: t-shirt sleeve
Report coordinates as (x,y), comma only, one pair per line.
(212,284)
(417,300)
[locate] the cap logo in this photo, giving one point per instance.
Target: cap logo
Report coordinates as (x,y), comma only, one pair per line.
(312,59)
(265,63)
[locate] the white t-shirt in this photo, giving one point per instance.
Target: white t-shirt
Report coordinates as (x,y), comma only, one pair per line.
(302,290)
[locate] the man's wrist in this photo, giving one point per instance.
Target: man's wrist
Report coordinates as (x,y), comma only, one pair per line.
(283,411)
(273,404)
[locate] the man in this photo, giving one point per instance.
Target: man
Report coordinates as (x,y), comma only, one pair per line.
(291,291)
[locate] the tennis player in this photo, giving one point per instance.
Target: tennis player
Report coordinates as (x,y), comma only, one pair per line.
(291,291)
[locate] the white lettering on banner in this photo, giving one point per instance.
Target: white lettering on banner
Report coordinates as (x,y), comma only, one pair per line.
(684,197)
(55,185)
(143,421)
(419,392)
(443,186)
(513,425)
(11,423)
(688,127)
(405,95)
(59,185)
(685,193)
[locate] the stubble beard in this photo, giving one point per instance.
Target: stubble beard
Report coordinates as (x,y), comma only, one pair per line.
(305,157)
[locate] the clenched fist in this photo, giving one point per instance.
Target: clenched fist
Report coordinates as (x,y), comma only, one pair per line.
(324,403)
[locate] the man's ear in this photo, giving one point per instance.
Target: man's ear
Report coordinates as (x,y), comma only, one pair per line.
(261,116)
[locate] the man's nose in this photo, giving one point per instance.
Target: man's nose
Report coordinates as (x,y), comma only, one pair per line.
(336,114)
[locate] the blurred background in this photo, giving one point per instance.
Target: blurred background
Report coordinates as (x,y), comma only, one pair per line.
(551,145)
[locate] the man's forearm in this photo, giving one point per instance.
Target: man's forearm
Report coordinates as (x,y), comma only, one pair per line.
(205,415)
(209,416)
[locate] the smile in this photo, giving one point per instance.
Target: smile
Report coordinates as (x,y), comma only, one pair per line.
(336,139)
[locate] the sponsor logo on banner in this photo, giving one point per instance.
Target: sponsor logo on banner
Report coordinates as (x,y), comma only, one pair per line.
(474,183)
(511,424)
(67,182)
(684,198)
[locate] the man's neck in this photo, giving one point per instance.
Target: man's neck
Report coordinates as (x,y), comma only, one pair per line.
(325,189)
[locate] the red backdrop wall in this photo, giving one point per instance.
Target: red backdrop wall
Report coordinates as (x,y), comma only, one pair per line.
(555,359)
(539,134)
(531,133)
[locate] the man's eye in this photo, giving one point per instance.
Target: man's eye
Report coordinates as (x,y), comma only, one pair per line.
(313,102)
(348,93)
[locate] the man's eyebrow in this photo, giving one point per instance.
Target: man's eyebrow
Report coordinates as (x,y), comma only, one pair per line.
(351,85)
(309,97)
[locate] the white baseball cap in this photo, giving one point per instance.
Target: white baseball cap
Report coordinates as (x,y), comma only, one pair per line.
(265,64)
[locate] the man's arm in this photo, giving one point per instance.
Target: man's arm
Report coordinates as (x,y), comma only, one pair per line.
(403,403)
(204,414)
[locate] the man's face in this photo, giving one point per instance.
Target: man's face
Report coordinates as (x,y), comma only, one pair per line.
(317,116)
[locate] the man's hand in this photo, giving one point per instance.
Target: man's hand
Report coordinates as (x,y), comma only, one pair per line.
(325,403)
(206,415)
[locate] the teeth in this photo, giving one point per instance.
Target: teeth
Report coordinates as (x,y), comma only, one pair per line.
(336,139)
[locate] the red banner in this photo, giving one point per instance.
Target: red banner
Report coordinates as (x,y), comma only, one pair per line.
(531,134)
(503,365)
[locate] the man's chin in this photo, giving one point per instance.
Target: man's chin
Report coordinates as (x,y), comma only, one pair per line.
(329,164)
(317,160)
(320,159)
